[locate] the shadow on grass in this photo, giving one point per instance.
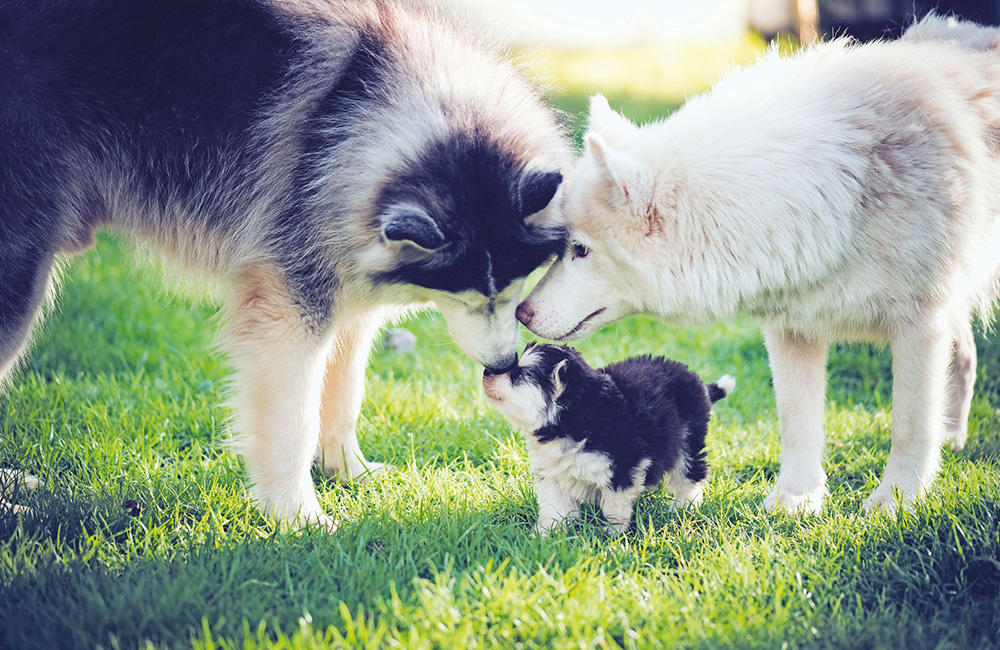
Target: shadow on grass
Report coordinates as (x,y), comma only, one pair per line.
(143,590)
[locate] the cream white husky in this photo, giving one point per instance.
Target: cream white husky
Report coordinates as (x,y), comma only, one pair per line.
(849,192)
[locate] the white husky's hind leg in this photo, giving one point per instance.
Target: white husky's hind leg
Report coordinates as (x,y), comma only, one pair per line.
(920,356)
(961,380)
(798,366)
(343,392)
(279,366)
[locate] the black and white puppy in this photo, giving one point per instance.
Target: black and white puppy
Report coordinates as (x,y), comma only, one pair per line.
(607,434)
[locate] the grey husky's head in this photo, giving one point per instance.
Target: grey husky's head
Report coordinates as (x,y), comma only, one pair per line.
(462,226)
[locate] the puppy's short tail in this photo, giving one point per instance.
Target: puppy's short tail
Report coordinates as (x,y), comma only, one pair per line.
(721,388)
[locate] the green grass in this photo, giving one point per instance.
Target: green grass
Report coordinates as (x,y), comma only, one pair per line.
(119,400)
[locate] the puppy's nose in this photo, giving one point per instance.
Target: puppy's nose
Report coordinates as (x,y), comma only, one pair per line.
(504,367)
(525,313)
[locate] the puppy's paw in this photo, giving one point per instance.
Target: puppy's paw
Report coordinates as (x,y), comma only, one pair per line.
(618,527)
(544,530)
(6,507)
(689,499)
(12,481)
(795,501)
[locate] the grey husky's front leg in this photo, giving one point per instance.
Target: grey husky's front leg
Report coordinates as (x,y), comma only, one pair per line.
(24,279)
(279,363)
(920,357)
(343,392)
(798,366)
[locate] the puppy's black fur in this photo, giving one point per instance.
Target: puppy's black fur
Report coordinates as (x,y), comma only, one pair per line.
(643,407)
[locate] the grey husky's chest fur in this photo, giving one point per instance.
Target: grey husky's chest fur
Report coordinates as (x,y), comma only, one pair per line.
(322,159)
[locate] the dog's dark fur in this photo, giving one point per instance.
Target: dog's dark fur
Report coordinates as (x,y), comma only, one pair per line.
(319,159)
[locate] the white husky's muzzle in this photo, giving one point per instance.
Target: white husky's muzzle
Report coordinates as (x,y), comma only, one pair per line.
(569,303)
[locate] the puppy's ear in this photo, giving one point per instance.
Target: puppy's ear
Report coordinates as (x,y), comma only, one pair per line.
(607,122)
(410,224)
(536,190)
(559,379)
(630,177)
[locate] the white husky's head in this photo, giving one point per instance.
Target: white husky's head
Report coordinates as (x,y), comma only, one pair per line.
(613,219)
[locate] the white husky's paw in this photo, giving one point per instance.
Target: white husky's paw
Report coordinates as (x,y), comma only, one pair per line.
(794,500)
(296,510)
(358,472)
(957,436)
(887,498)
(327,522)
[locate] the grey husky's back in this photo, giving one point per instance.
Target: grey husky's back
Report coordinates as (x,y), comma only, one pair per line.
(221,129)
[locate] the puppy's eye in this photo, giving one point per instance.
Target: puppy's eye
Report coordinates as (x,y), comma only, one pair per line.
(515,375)
(579,251)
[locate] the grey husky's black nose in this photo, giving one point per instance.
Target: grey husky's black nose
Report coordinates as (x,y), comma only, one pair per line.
(501,369)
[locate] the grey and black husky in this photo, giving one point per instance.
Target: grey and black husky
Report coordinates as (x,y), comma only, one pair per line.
(328,161)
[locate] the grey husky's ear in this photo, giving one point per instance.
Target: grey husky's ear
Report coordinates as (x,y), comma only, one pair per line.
(408,223)
(535,191)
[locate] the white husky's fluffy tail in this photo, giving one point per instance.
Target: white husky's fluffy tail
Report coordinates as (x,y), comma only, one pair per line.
(963,33)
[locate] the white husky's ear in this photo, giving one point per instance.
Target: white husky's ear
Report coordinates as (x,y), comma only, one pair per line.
(607,122)
(410,224)
(632,178)
(557,379)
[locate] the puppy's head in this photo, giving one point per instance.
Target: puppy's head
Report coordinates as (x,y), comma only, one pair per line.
(546,380)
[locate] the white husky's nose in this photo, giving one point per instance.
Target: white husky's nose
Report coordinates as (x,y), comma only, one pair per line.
(525,313)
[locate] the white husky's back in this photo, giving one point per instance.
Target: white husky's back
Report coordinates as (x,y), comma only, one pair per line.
(842,183)
(945,28)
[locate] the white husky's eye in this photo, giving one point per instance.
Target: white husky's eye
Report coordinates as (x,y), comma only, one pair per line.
(579,250)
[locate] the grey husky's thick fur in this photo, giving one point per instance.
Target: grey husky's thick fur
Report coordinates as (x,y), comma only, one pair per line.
(326,161)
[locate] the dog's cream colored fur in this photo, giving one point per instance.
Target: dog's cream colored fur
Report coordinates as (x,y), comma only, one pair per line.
(849,192)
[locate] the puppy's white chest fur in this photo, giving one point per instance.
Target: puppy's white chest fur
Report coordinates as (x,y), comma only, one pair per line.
(577,473)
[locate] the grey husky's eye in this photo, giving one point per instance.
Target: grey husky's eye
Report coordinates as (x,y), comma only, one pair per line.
(579,250)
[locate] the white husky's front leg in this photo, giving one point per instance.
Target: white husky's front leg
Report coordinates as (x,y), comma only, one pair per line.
(961,381)
(343,392)
(920,358)
(798,366)
(279,363)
